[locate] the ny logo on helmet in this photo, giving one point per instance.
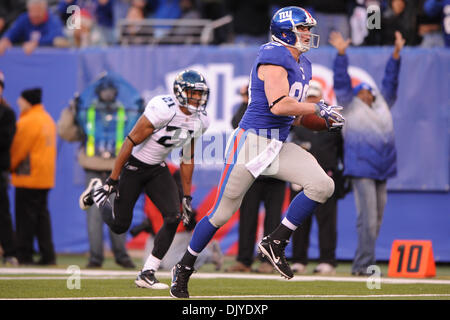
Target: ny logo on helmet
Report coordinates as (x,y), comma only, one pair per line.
(285,15)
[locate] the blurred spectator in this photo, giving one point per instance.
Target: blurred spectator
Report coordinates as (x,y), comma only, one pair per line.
(332,16)
(265,189)
(188,11)
(135,33)
(441,9)
(369,145)
(37,27)
(429,31)
(102,10)
(87,34)
(400,15)
(7,130)
(33,161)
(326,147)
(213,10)
(101,129)
(9,11)
(359,19)
(135,13)
(166,9)
(121,7)
(250,20)
(137,8)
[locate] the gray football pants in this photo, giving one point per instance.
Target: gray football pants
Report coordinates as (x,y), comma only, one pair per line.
(293,164)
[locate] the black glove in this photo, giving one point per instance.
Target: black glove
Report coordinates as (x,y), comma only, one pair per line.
(187,213)
(101,194)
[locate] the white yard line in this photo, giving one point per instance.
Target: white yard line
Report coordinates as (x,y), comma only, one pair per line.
(247,297)
(114,274)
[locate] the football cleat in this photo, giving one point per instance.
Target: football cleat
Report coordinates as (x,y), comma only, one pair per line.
(147,279)
(86,200)
(180,279)
(273,250)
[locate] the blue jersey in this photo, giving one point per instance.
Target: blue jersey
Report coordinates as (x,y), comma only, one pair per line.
(258,115)
(22,30)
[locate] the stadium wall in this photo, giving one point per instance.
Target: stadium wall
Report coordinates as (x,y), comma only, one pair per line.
(418,204)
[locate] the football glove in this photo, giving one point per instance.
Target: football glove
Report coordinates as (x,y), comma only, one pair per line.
(334,120)
(101,194)
(187,213)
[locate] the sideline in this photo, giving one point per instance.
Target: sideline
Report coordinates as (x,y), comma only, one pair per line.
(371,296)
(117,274)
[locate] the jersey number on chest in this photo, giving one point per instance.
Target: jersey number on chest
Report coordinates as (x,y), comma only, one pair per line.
(177,136)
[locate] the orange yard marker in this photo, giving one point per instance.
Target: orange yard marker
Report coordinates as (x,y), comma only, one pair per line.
(411,259)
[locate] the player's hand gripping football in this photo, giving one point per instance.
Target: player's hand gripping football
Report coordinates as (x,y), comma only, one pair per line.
(187,213)
(334,120)
(101,195)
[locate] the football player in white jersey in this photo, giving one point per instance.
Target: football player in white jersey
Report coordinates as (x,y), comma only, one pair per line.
(168,122)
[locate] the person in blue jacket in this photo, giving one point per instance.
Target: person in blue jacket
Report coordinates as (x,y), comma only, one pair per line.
(441,8)
(36,27)
(369,145)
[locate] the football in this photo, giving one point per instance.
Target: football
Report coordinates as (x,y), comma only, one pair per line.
(313,122)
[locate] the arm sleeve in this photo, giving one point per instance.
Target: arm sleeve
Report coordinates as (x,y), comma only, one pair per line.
(389,84)
(342,82)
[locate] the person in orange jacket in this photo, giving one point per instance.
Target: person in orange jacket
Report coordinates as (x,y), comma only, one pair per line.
(33,162)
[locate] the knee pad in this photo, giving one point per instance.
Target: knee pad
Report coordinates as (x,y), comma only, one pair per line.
(321,190)
(119,228)
(172,218)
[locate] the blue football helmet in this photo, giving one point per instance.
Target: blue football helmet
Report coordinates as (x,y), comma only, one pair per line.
(186,82)
(284,28)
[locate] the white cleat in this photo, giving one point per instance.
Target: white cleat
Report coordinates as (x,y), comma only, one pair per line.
(147,279)
(86,200)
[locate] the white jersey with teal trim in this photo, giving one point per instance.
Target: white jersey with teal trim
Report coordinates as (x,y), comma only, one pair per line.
(173,129)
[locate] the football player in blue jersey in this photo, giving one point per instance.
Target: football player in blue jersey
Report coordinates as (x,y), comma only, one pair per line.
(278,83)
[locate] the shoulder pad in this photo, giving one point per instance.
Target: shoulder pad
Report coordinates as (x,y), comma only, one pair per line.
(273,53)
(160,110)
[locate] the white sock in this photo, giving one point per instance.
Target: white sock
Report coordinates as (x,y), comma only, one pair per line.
(192,251)
(288,224)
(152,263)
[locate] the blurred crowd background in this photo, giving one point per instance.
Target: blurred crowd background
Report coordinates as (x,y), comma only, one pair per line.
(421,22)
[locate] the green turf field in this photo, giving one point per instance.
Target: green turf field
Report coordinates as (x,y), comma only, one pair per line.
(114,282)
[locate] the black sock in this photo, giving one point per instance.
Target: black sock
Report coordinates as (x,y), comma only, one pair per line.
(188,259)
(281,233)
